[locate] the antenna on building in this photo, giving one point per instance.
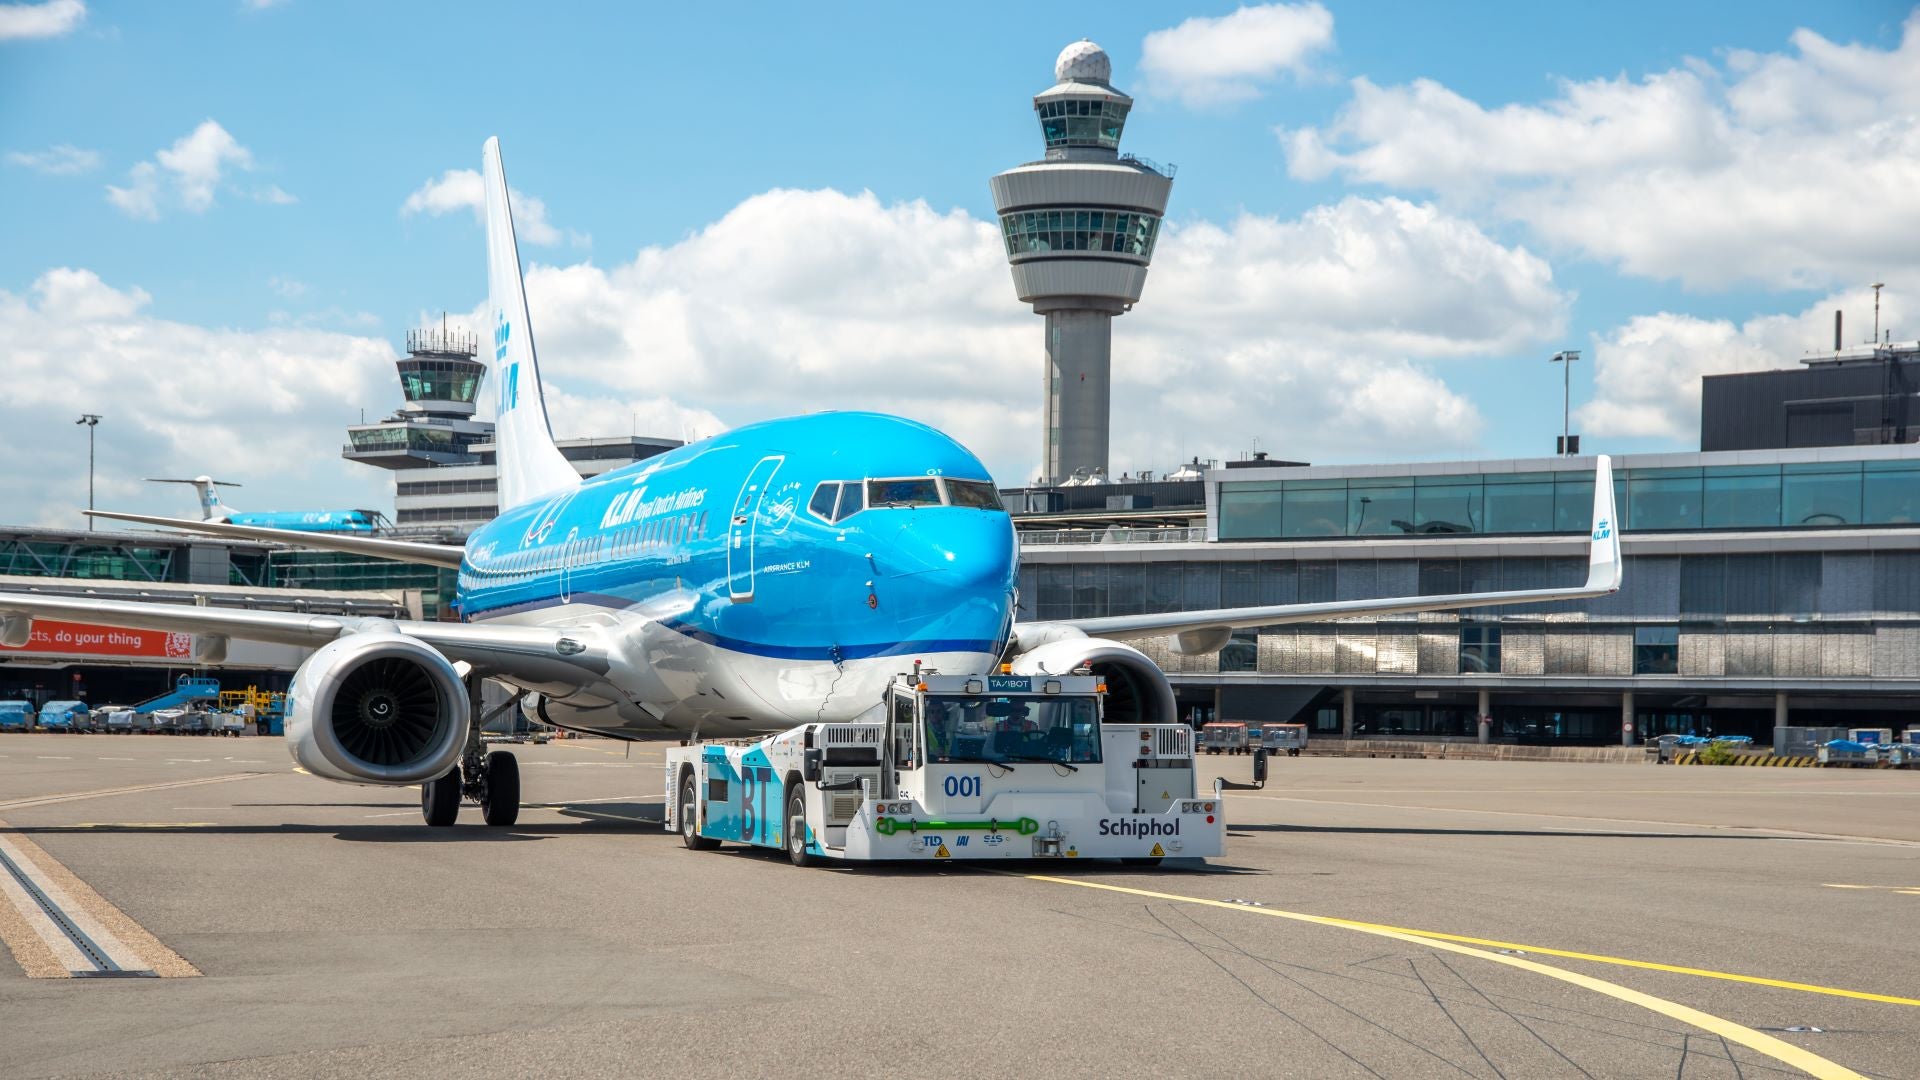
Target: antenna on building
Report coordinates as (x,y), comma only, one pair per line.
(1877,286)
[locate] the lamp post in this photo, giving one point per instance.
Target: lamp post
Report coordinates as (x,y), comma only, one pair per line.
(92,420)
(1566,357)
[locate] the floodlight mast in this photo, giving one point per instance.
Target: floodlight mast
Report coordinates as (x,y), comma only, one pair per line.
(1566,358)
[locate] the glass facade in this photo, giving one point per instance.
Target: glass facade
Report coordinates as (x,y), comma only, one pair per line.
(1848,493)
(1839,614)
(1479,649)
(1082,123)
(1123,232)
(339,571)
(439,380)
(406,437)
(52,558)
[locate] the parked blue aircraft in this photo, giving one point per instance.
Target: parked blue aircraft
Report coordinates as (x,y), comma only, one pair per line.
(780,574)
(212,509)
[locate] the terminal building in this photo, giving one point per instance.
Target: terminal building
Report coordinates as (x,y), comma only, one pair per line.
(100,666)
(1762,587)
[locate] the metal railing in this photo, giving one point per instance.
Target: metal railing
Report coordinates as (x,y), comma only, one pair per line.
(1193,535)
(1148,163)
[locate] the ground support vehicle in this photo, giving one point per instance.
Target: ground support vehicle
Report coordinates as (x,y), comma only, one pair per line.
(1848,752)
(16,715)
(68,716)
(1291,738)
(117,719)
(1225,737)
(955,767)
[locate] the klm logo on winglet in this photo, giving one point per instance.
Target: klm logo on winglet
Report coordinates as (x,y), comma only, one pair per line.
(501,330)
(1602,530)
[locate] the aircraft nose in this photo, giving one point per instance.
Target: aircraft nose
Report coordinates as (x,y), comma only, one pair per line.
(961,548)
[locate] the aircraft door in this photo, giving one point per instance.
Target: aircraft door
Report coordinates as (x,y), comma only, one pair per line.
(744,523)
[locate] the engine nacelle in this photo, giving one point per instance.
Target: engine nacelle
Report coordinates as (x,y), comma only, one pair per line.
(375,708)
(1137,690)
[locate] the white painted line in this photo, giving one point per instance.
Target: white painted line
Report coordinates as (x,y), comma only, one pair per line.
(108,942)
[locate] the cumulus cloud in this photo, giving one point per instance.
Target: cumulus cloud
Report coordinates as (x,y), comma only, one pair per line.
(458,189)
(817,299)
(1259,327)
(1647,371)
(186,174)
(61,160)
(1790,170)
(1206,61)
(50,19)
(263,407)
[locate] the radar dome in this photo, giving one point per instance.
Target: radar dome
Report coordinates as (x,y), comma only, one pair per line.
(1083,61)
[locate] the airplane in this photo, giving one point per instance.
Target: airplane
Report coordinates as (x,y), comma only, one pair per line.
(779,574)
(212,509)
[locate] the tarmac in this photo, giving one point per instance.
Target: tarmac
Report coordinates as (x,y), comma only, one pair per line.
(1373,917)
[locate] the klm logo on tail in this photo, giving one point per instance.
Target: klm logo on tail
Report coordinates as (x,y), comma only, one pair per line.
(1602,530)
(510,383)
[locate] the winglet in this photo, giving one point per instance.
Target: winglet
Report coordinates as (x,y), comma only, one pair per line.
(1604,568)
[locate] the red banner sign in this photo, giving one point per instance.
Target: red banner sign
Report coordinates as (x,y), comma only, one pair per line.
(80,639)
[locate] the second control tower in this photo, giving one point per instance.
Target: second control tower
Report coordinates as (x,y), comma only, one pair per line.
(1079,228)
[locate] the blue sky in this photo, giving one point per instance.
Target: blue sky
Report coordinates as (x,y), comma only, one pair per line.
(1403,252)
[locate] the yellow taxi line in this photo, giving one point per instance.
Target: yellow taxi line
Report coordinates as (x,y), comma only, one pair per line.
(1784,1052)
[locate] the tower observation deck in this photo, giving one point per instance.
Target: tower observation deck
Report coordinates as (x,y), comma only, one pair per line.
(1079,227)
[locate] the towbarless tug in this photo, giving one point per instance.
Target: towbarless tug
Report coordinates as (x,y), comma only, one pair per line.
(955,767)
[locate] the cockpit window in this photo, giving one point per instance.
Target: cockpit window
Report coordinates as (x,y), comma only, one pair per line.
(823,499)
(836,501)
(978,494)
(919,491)
(851,502)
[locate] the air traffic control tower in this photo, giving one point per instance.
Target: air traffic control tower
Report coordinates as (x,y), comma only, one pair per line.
(1079,228)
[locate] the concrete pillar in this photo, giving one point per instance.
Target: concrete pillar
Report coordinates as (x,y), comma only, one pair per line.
(1484,710)
(1780,709)
(1626,719)
(1346,713)
(1078,395)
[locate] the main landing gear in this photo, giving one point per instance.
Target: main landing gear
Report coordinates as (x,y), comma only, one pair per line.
(491,779)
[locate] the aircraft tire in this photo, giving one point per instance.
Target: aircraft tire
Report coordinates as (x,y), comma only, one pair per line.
(500,806)
(689,834)
(440,799)
(797,852)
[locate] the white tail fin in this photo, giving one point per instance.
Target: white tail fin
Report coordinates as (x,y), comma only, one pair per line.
(211,508)
(530,465)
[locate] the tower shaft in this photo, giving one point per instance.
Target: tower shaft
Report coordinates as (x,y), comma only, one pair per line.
(1079,391)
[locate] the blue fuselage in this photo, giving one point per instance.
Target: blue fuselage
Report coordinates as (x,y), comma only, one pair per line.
(356,521)
(747,543)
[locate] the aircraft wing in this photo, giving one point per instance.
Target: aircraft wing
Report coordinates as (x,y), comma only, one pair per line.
(1201,629)
(408,551)
(529,652)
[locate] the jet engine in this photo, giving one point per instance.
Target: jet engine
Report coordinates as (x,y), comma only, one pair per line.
(1137,690)
(374,708)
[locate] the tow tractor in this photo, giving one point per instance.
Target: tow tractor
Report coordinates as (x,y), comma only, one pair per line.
(957,767)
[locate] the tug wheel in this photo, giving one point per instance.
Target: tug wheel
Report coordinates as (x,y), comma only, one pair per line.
(797,852)
(689,827)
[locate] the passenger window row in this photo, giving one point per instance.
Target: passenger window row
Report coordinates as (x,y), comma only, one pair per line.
(621,544)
